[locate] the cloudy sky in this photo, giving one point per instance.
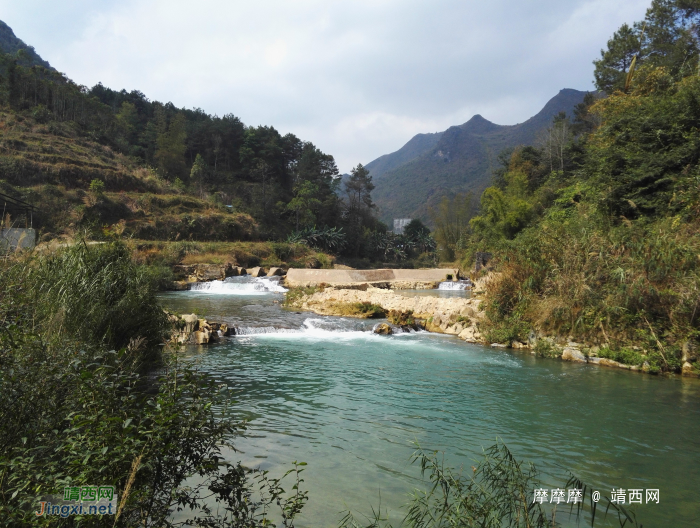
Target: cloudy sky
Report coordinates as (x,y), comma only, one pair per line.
(358,78)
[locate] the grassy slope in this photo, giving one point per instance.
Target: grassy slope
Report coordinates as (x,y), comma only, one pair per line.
(52,165)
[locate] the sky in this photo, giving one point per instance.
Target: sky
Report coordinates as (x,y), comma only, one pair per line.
(357,78)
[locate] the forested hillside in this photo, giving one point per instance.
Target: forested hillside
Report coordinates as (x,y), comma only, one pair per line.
(604,247)
(96,158)
(412,180)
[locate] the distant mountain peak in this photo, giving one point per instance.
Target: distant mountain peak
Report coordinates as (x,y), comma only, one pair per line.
(479,125)
(413,179)
(478,118)
(10,44)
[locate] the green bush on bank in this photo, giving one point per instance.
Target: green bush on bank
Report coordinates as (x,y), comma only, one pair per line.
(607,253)
(97,295)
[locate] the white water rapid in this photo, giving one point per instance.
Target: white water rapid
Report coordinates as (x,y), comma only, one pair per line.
(245,285)
(455,285)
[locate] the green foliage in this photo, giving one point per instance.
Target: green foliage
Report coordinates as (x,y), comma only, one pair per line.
(451,219)
(645,155)
(401,318)
(295,295)
(544,348)
(366,310)
(78,413)
(666,38)
(171,148)
(97,187)
(623,355)
(605,250)
(497,492)
(74,137)
(415,229)
(327,238)
(179,185)
(97,294)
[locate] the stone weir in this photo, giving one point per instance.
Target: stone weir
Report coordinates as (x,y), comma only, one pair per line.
(395,279)
(458,316)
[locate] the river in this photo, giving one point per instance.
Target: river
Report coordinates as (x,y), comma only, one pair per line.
(350,403)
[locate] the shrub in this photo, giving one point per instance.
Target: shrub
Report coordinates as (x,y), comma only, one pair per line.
(97,186)
(97,294)
(367,310)
(398,317)
(544,348)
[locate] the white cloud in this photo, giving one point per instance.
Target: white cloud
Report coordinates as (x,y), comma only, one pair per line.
(356,78)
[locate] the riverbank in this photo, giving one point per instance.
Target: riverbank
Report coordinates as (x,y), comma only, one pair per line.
(374,293)
(466,319)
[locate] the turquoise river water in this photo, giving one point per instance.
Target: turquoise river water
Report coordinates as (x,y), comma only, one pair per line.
(350,403)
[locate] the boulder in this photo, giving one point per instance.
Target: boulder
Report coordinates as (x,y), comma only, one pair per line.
(201,337)
(383,328)
(610,363)
(257,272)
(455,329)
(209,272)
(688,370)
(179,285)
(190,321)
(313,263)
(573,354)
(434,324)
(467,311)
(470,335)
(227,330)
(275,272)
(688,352)
(182,272)
(232,271)
(518,345)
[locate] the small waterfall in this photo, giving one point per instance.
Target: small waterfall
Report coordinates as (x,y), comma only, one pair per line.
(326,329)
(455,285)
(244,285)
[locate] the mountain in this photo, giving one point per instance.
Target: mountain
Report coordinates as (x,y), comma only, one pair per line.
(430,166)
(11,45)
(418,144)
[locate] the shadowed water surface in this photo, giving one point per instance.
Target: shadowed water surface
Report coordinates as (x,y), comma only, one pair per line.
(329,392)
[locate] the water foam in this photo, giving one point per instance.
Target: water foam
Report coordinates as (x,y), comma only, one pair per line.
(455,285)
(244,285)
(310,328)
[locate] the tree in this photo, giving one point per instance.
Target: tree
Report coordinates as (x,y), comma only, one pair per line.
(319,169)
(198,173)
(555,141)
(127,120)
(451,219)
(415,228)
(359,207)
(303,203)
(358,189)
(612,67)
(170,152)
(668,37)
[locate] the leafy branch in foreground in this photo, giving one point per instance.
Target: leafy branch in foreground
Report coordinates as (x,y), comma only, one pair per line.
(497,494)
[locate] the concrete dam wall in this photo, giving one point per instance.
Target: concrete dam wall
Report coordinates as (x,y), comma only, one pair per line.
(389,278)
